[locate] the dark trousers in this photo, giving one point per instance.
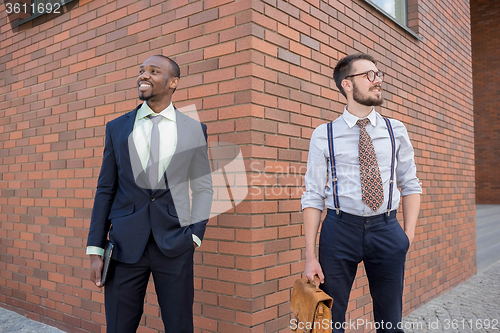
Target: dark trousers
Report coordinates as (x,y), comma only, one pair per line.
(126,287)
(379,242)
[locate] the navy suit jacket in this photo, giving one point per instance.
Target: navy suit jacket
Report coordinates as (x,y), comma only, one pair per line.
(125,207)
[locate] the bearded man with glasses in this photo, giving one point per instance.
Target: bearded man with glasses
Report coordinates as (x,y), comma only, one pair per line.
(367,163)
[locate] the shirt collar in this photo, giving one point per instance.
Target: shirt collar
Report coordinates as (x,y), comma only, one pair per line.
(351,119)
(168,113)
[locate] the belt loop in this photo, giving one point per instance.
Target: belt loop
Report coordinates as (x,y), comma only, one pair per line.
(386,216)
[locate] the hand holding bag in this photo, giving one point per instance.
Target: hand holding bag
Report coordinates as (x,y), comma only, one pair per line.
(311,306)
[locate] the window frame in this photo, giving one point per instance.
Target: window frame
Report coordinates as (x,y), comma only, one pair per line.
(34,16)
(403,26)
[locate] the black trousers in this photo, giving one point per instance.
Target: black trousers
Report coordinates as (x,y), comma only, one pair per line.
(379,242)
(126,288)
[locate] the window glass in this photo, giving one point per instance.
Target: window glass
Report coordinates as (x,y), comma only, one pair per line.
(394,8)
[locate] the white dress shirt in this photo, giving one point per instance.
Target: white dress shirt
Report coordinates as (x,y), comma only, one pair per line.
(345,140)
(142,141)
(168,135)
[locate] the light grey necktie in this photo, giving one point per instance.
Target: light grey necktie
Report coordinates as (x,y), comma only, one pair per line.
(154,152)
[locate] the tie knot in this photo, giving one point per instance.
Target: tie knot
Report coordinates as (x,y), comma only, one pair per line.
(363,122)
(155,119)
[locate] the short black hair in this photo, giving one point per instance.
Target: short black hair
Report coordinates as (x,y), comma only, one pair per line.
(344,68)
(176,71)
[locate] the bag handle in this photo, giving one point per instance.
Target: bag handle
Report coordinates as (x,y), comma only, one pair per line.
(316,283)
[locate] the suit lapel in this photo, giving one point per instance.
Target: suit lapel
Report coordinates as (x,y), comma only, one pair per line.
(183,134)
(182,142)
(129,123)
(130,151)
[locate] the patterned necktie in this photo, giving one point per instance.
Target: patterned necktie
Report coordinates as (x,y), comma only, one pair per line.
(372,191)
(154,152)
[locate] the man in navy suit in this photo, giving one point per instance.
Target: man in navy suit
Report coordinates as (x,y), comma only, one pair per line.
(153,156)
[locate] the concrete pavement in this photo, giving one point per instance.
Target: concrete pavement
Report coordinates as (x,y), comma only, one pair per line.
(487,235)
(15,323)
(473,306)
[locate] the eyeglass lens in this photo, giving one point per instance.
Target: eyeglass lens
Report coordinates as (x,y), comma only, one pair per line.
(371,75)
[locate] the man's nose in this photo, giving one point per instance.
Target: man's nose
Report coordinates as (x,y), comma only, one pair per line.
(144,75)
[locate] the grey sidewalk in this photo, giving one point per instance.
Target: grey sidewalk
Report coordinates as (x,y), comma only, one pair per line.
(475,303)
(13,322)
(487,235)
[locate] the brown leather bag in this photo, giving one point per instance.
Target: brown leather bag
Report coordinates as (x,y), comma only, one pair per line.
(311,306)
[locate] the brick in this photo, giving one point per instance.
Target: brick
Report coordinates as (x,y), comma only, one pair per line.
(288,56)
(204,17)
(138,27)
(234,7)
(219,50)
(224,288)
(256,318)
(220,24)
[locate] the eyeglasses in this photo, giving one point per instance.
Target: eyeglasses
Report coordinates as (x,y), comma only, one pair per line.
(370,75)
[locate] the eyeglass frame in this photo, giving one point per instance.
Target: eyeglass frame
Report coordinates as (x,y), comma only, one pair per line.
(375,74)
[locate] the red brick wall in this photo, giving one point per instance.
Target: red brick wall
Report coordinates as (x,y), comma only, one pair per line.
(486,75)
(260,75)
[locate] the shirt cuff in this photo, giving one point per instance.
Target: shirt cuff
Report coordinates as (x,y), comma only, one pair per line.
(196,240)
(95,250)
(407,190)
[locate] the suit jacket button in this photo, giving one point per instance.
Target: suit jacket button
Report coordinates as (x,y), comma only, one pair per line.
(153,199)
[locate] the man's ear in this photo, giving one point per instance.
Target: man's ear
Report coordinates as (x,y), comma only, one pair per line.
(347,85)
(174,83)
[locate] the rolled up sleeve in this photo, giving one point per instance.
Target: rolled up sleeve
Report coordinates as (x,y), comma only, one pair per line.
(406,171)
(317,170)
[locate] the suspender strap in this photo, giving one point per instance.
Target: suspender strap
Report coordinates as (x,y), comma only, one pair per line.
(334,172)
(391,182)
(332,165)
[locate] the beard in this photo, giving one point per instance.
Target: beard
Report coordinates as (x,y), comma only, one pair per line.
(145,96)
(366,100)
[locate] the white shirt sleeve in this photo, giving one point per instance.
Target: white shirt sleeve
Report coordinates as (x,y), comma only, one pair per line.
(95,250)
(406,170)
(317,170)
